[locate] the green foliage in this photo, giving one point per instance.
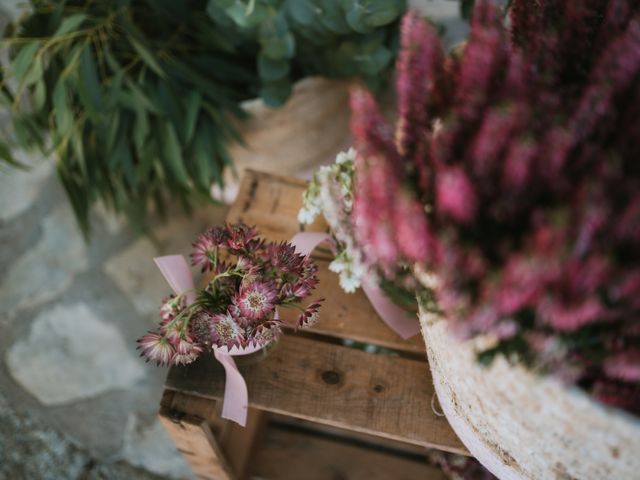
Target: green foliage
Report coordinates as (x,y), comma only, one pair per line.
(336,38)
(136,98)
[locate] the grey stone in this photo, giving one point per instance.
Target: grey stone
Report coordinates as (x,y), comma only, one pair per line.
(30,449)
(47,270)
(148,445)
(71,354)
(112,222)
(19,189)
(135,273)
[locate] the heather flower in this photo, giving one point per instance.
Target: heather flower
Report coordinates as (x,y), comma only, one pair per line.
(156,348)
(310,315)
(225,331)
(516,184)
(624,365)
(455,196)
(256,300)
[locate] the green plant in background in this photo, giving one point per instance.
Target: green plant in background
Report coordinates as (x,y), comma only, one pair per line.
(336,38)
(136,98)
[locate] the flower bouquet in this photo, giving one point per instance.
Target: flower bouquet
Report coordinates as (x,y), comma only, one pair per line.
(235,311)
(514,164)
(330,194)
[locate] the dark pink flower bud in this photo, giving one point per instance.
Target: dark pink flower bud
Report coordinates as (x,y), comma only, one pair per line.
(455,195)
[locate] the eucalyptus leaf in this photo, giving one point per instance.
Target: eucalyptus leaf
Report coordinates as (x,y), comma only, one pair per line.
(69,24)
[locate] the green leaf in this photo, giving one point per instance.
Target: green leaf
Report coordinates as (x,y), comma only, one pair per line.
(141,129)
(89,86)
(62,114)
(147,57)
(274,94)
(271,70)
(302,11)
(193,107)
(380,12)
(173,155)
(35,72)
(23,61)
(39,95)
(376,62)
(275,38)
(70,24)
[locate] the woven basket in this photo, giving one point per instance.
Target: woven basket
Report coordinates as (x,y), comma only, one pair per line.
(520,425)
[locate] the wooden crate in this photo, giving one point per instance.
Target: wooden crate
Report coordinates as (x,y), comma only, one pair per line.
(318,408)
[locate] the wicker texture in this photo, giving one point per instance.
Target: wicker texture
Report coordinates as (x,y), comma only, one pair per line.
(520,425)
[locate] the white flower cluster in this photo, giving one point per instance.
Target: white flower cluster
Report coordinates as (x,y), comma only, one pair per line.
(331,193)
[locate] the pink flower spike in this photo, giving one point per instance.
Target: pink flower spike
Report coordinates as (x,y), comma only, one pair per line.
(156,348)
(455,195)
(256,299)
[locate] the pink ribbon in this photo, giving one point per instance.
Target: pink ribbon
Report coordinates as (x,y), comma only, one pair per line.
(176,271)
(400,321)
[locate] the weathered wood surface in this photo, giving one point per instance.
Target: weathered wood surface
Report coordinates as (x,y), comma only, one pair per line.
(194,438)
(271,203)
(382,395)
(291,455)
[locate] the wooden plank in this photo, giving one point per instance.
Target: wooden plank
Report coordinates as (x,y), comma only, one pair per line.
(290,455)
(374,441)
(351,316)
(381,395)
(238,443)
(195,440)
(271,203)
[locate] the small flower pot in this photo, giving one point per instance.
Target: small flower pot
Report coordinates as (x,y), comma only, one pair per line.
(256,356)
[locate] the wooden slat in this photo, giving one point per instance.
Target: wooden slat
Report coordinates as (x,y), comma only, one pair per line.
(290,455)
(238,443)
(377,394)
(271,203)
(195,440)
(374,441)
(351,316)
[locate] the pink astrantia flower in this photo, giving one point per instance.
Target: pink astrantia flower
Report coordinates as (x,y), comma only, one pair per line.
(186,351)
(156,348)
(240,237)
(265,333)
(225,331)
(283,256)
(256,299)
(171,306)
(204,252)
(310,315)
(247,280)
